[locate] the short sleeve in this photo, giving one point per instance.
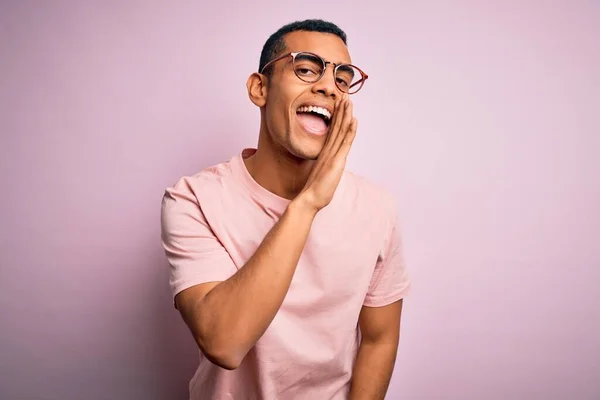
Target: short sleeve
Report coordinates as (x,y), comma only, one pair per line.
(390,281)
(194,253)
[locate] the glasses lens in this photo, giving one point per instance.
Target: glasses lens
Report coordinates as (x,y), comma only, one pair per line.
(308,67)
(348,78)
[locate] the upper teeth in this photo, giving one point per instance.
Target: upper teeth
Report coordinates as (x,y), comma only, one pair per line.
(319,110)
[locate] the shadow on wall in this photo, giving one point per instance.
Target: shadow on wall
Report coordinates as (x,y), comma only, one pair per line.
(176,353)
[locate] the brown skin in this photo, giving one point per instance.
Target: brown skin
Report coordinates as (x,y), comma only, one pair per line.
(380,330)
(286,155)
(227,318)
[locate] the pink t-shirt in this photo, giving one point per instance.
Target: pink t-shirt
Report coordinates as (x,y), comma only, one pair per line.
(214,221)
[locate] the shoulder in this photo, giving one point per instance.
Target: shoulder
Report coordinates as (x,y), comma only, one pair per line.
(190,188)
(370,194)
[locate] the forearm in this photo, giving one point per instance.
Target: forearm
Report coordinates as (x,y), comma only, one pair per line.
(236,313)
(373,370)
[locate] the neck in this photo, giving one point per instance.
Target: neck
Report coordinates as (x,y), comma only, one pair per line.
(276,169)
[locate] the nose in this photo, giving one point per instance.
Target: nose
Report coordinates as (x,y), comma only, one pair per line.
(326,85)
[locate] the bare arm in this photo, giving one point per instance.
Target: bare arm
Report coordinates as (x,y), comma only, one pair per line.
(380,330)
(227,318)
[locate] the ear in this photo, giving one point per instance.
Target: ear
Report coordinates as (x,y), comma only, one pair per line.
(257,89)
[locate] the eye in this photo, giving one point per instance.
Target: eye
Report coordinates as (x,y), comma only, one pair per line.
(308,66)
(306,71)
(346,75)
(342,82)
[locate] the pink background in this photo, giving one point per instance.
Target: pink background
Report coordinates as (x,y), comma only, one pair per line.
(483,118)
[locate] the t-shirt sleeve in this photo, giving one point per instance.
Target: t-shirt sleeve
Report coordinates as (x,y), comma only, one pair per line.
(390,281)
(194,253)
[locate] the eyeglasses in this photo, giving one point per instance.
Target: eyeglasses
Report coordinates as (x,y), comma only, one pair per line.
(309,68)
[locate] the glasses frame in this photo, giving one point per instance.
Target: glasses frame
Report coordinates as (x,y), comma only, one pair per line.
(361,82)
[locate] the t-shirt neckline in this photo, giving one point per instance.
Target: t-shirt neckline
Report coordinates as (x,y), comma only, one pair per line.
(256,190)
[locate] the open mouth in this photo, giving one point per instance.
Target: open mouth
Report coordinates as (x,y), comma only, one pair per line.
(314,119)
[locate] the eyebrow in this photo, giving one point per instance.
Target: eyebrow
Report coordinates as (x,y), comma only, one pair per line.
(303,57)
(307,56)
(346,68)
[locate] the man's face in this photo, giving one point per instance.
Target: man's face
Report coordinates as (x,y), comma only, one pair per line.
(301,133)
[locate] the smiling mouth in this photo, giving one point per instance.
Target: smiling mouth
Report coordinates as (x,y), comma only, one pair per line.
(314,119)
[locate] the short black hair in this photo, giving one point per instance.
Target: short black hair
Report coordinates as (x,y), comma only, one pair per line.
(275,44)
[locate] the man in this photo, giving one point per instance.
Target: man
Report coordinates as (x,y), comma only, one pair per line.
(287,269)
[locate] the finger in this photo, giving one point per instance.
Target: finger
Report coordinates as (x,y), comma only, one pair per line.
(348,140)
(338,116)
(348,115)
(345,126)
(334,127)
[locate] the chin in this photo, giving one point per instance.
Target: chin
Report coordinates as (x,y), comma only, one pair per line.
(305,150)
(312,156)
(303,153)
(306,146)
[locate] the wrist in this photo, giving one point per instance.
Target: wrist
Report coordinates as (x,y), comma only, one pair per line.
(301,205)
